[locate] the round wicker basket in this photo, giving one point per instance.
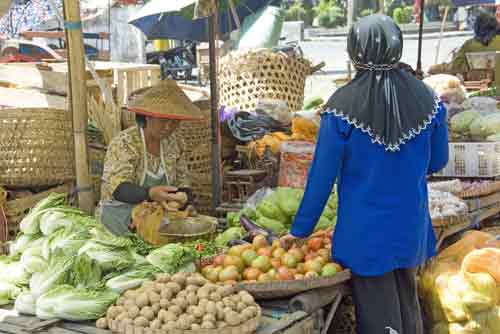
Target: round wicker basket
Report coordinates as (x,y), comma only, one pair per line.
(245,77)
(36,147)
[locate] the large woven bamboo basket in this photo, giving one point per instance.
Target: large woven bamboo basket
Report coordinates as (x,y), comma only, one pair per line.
(196,136)
(16,209)
(245,77)
(36,147)
(4,7)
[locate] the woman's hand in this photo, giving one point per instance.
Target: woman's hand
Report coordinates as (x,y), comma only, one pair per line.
(289,241)
(161,193)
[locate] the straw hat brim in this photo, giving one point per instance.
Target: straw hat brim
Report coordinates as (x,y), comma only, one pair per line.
(174,117)
(165,100)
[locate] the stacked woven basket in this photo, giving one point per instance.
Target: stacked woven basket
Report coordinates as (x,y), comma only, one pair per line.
(245,77)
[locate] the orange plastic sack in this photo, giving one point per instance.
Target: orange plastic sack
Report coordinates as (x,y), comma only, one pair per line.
(470,241)
(486,260)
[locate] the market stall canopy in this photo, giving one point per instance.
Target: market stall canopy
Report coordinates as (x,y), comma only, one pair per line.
(459,3)
(160,19)
(26,15)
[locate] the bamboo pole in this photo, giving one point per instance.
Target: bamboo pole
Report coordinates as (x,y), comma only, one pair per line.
(443,24)
(216,139)
(78,98)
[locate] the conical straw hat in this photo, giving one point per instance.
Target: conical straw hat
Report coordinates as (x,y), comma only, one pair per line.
(165,100)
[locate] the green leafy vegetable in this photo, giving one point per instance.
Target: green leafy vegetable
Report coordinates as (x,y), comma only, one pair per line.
(8,292)
(54,219)
(67,241)
(108,257)
(31,223)
(74,304)
(141,246)
(131,279)
(85,272)
(55,274)
(203,248)
(23,242)
(232,233)
(14,273)
(106,238)
(33,261)
(172,258)
(25,304)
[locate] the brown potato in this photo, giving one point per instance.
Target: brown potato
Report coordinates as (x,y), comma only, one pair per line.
(164,304)
(141,322)
(133,312)
(174,287)
(102,323)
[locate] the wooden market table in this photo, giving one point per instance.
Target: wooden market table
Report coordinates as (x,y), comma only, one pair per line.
(298,322)
(473,221)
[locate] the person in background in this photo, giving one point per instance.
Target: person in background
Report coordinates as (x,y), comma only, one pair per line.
(379,138)
(486,38)
(146,162)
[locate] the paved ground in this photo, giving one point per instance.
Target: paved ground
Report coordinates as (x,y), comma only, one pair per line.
(334,55)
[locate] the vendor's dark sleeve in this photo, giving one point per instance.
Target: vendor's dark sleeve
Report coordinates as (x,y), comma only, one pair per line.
(131,193)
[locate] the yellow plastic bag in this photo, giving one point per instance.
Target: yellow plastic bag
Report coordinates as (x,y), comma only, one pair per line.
(147,217)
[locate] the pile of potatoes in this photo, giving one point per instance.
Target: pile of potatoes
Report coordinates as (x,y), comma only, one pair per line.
(181,302)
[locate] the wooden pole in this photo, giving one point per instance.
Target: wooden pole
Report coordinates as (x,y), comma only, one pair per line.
(216,139)
(420,33)
(350,13)
(445,17)
(78,97)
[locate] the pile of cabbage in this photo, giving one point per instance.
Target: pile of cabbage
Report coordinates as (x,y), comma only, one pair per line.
(65,265)
(457,300)
(479,121)
(275,210)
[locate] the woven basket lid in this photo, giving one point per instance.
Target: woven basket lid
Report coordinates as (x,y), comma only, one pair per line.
(166,101)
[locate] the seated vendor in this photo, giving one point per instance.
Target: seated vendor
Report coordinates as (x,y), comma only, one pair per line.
(486,38)
(146,162)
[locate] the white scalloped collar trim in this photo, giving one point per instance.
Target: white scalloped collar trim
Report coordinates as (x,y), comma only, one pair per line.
(376,139)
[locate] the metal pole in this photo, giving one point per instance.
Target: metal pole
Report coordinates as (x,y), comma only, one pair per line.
(78,96)
(216,150)
(420,33)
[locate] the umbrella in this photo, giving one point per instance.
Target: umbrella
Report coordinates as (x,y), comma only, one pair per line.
(160,19)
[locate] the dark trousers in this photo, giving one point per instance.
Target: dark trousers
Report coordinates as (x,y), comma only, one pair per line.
(387,304)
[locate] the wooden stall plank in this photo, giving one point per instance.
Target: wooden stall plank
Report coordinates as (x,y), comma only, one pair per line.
(273,326)
(12,329)
(483,202)
(81,328)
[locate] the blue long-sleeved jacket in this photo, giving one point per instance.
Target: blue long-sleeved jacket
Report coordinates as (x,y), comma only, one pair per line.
(383,220)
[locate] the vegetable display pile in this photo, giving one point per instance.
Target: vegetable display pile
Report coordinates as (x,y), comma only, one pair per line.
(264,262)
(479,121)
(275,214)
(443,205)
(65,265)
(460,290)
(181,302)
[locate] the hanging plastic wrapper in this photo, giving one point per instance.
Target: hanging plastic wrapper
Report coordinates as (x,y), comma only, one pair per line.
(204,8)
(296,158)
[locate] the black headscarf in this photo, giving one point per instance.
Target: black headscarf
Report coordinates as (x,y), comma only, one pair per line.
(387,103)
(485,27)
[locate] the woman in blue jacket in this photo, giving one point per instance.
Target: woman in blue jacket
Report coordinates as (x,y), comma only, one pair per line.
(380,136)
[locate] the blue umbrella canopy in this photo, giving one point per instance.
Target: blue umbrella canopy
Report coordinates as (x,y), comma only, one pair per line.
(160,19)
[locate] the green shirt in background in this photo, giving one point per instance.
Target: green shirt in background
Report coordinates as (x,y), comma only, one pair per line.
(459,63)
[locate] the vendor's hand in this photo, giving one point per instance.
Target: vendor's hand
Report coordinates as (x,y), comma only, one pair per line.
(179,197)
(289,241)
(161,193)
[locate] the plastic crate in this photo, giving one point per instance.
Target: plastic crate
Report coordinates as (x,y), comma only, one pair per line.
(473,160)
